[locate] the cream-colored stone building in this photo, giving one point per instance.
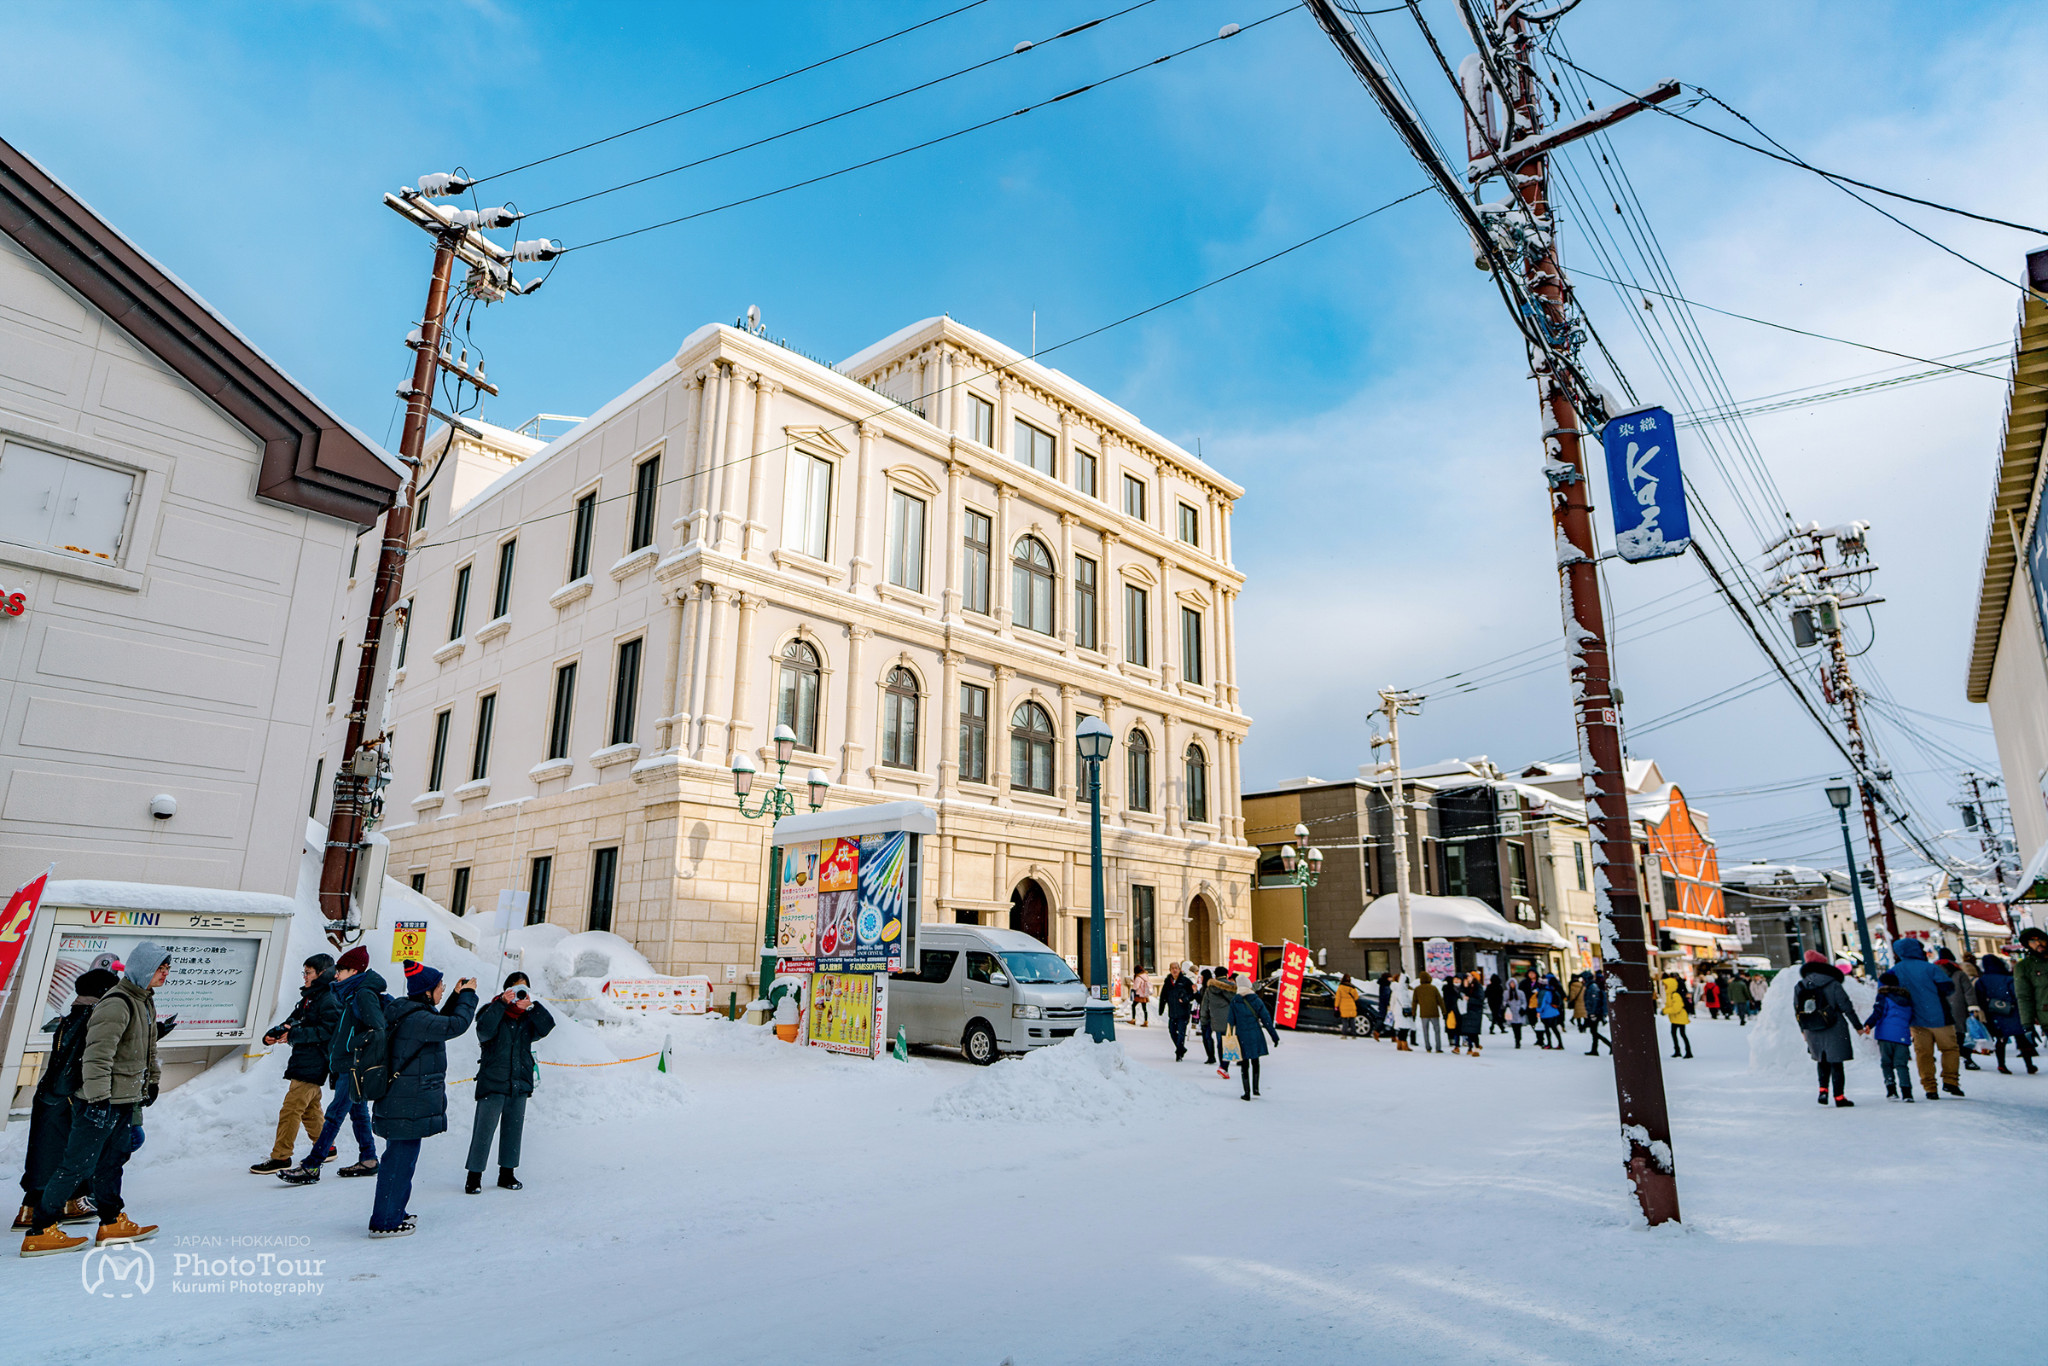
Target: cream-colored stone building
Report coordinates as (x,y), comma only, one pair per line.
(929,562)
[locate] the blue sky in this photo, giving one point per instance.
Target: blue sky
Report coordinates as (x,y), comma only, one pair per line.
(1366,390)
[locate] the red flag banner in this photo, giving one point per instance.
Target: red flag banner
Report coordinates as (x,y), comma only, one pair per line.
(16,921)
(1244,956)
(1293,966)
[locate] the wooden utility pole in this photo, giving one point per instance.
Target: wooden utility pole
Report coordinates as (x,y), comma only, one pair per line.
(1393,705)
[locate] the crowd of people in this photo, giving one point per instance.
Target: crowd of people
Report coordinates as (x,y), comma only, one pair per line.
(382,1062)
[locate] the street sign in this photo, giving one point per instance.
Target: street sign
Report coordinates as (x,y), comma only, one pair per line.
(1293,967)
(1645,485)
(409,941)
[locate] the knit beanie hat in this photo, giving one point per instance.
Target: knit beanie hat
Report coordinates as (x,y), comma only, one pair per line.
(1816,956)
(143,961)
(420,980)
(356,959)
(94,984)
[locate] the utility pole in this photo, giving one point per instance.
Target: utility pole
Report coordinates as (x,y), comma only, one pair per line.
(1976,814)
(1818,591)
(365,759)
(1523,232)
(1394,704)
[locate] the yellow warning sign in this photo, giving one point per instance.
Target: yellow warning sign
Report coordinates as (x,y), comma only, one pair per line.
(409,941)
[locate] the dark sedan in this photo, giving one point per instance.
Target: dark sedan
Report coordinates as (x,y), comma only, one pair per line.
(1319,1005)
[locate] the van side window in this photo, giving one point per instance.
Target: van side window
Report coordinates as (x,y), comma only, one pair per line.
(985,967)
(934,965)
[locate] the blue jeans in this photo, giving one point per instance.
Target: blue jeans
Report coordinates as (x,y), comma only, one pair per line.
(96,1149)
(1896,1059)
(394,1182)
(358,1113)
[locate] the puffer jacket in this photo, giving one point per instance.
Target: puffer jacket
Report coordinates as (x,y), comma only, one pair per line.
(2030,981)
(311,1024)
(61,1064)
(1891,1019)
(1347,1001)
(1596,997)
(1253,1022)
(1429,1002)
(416,1106)
(1177,996)
(1998,998)
(505,1066)
(1927,984)
(360,1003)
(1834,1043)
(1673,1007)
(120,1062)
(1962,999)
(1575,992)
(1216,999)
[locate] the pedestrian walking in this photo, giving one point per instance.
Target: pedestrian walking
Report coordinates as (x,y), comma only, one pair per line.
(1933,1026)
(1740,998)
(1390,1025)
(1516,1011)
(309,1029)
(118,1075)
(1710,996)
(1252,1023)
(1429,1015)
(1891,1022)
(1496,1005)
(507,1027)
(1141,1000)
(1674,1009)
(1962,1003)
(1400,1016)
(1575,997)
(1216,1018)
(1347,1006)
(1177,999)
(1550,1007)
(1202,1017)
(1596,1009)
(1998,998)
(49,1123)
(2030,980)
(415,1108)
(1472,1013)
(1825,1014)
(359,1031)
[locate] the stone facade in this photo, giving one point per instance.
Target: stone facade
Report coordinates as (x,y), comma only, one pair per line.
(886,556)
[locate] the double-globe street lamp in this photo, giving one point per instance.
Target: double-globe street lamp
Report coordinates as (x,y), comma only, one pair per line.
(777,802)
(1838,797)
(1305,871)
(1093,739)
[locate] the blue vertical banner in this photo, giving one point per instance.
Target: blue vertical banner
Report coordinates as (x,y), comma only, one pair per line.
(1645,486)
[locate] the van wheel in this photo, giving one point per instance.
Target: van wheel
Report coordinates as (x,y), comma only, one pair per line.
(979,1044)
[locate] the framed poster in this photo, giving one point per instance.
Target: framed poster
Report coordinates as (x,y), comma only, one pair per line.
(844,1014)
(211,987)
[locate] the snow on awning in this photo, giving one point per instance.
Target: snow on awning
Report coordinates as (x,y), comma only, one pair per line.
(915,817)
(1544,935)
(1437,917)
(1694,938)
(1729,943)
(2033,884)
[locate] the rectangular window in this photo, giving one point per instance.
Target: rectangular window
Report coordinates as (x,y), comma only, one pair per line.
(563,713)
(1084,604)
(1455,880)
(581,530)
(1579,858)
(973,733)
(480,756)
(334,678)
(538,883)
(604,880)
(626,694)
(981,420)
(404,633)
(1135,638)
(419,882)
(420,522)
(1134,497)
(1518,871)
(1084,473)
(807,507)
(974,572)
(906,541)
(501,600)
(439,763)
(646,494)
(458,899)
(1032,447)
(1190,525)
(313,807)
(1190,645)
(1144,928)
(460,612)
(355,555)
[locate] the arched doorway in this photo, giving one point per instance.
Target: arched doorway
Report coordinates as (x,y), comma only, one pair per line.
(1028,911)
(1202,933)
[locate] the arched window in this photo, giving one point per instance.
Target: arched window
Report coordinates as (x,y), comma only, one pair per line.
(899,720)
(796,694)
(1031,741)
(1197,785)
(1138,772)
(1031,586)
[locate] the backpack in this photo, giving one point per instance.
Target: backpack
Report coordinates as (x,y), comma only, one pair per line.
(1811,1007)
(1999,1004)
(367,1062)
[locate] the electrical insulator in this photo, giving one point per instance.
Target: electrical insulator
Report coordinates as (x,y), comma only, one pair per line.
(538,249)
(442,184)
(500,217)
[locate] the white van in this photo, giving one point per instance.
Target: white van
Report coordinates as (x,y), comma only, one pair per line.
(985,992)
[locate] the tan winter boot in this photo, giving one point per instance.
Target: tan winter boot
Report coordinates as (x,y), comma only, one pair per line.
(123,1230)
(79,1211)
(25,1222)
(47,1241)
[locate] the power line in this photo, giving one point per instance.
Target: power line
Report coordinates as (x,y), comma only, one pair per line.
(1227,33)
(759,85)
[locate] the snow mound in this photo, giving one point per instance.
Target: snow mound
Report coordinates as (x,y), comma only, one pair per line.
(1776,1043)
(1076,1081)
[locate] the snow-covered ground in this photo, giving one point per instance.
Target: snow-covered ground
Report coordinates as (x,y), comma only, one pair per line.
(764,1203)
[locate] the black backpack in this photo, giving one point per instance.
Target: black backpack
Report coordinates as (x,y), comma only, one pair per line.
(1811,1007)
(368,1062)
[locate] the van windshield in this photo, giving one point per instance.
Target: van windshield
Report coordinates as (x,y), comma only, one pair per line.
(1039,968)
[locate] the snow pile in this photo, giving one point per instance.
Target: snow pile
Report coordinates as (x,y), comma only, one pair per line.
(1076,1081)
(1775,1041)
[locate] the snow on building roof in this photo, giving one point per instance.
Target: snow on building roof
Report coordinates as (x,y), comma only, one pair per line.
(1766,874)
(1448,917)
(98,894)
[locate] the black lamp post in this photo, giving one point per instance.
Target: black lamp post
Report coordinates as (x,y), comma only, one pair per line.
(1838,797)
(777,802)
(1093,739)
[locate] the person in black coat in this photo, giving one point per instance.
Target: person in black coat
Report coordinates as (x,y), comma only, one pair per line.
(1177,999)
(415,1107)
(506,1027)
(1496,1005)
(49,1125)
(310,1028)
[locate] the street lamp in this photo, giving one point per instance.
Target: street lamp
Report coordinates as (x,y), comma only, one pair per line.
(777,802)
(1093,739)
(1303,870)
(1838,797)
